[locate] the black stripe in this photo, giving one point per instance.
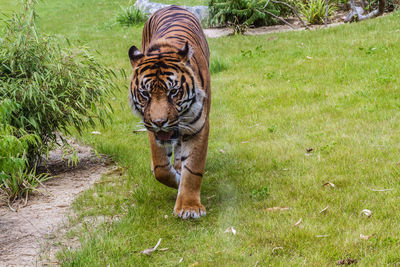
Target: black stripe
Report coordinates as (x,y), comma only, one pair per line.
(160,166)
(188,136)
(192,172)
(183,158)
(198,116)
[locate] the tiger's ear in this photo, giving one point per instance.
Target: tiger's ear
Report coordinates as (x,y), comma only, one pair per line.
(134,55)
(186,52)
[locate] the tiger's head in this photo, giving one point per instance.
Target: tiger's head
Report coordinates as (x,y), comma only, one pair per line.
(164,91)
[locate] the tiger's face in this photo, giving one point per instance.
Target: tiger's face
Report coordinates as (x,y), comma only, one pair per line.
(164,94)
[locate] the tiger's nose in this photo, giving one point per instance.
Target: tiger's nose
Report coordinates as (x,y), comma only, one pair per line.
(160,122)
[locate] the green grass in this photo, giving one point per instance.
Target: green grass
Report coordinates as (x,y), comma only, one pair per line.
(333,90)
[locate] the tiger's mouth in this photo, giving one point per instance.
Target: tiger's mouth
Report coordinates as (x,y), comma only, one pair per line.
(166,136)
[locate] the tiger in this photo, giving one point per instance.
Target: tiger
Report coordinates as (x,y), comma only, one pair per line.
(170,91)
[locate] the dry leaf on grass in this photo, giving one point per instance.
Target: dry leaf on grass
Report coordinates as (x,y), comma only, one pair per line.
(180,260)
(96,132)
(277,209)
(277,248)
(328,184)
(298,222)
(324,209)
(309,150)
(140,130)
(308,57)
(366,212)
(347,261)
(381,190)
(151,250)
(230,230)
(365,237)
(222,151)
(321,235)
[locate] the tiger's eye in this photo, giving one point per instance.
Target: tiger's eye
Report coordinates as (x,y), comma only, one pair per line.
(173,92)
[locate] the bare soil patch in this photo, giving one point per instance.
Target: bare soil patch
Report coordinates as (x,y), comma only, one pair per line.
(24,233)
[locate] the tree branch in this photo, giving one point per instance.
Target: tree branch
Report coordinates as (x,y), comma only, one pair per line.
(357,12)
(281,19)
(293,10)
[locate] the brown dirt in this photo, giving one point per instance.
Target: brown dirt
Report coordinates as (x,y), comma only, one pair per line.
(26,232)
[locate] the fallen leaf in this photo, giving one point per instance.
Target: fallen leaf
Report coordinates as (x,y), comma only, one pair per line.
(298,222)
(180,260)
(328,184)
(230,230)
(275,249)
(365,237)
(381,190)
(324,209)
(308,57)
(140,130)
(150,250)
(366,212)
(277,209)
(310,149)
(321,235)
(222,151)
(163,249)
(347,261)
(96,132)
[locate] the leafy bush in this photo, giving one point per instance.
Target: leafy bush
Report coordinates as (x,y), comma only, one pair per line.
(44,89)
(15,179)
(131,16)
(243,12)
(314,11)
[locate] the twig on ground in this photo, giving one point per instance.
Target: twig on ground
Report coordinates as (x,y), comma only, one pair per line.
(293,10)
(281,19)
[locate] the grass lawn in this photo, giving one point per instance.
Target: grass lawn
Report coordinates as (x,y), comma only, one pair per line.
(333,91)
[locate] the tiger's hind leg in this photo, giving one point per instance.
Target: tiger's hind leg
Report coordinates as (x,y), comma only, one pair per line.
(161,164)
(193,159)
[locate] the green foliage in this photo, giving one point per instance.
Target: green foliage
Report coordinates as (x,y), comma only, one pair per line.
(239,13)
(50,88)
(15,179)
(131,16)
(314,11)
(44,89)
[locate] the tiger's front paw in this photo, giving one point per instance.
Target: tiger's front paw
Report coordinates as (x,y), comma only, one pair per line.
(189,210)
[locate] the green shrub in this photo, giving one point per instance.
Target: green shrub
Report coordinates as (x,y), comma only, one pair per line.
(51,88)
(314,11)
(243,12)
(15,179)
(131,16)
(44,89)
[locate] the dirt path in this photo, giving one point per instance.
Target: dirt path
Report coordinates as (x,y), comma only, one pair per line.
(23,234)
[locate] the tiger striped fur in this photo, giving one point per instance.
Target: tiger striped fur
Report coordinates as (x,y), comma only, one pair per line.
(170,91)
